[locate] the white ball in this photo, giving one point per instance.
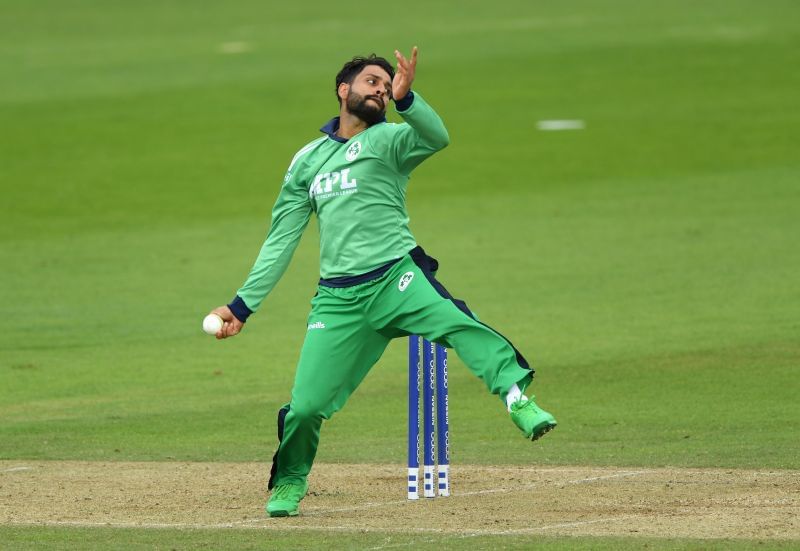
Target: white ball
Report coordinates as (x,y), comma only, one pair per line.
(212,323)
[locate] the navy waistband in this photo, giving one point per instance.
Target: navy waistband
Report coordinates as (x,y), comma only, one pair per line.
(349,281)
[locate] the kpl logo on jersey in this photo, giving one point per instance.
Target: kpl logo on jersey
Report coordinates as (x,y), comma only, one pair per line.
(332,184)
(335,184)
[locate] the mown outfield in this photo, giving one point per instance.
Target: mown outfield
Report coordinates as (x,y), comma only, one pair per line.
(647,264)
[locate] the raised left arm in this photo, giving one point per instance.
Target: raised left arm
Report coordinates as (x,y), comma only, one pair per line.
(404,76)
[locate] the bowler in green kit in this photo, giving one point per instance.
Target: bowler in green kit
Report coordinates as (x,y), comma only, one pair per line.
(376,282)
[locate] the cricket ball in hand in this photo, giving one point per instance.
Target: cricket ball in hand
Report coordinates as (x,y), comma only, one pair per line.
(212,323)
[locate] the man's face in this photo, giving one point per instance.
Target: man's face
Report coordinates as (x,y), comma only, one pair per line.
(368,95)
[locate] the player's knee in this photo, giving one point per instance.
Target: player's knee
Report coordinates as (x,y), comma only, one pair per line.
(309,410)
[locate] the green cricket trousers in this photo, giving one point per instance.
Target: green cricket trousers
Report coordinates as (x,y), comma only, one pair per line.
(348,330)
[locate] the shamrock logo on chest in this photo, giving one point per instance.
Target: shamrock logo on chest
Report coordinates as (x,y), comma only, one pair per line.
(353,151)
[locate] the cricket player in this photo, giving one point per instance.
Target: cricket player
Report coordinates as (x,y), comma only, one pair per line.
(376,282)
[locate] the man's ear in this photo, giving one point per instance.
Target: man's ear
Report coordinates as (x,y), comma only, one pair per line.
(343,90)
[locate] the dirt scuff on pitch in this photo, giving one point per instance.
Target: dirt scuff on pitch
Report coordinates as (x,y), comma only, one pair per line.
(668,502)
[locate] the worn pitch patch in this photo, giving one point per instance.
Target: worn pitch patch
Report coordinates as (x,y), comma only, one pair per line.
(485,500)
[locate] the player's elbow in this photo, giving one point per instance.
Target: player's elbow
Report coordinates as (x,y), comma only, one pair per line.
(442,140)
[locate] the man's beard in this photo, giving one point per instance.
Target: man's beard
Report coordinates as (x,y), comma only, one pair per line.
(365,109)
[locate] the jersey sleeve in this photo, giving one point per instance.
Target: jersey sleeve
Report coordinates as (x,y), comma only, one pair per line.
(423,134)
(290,217)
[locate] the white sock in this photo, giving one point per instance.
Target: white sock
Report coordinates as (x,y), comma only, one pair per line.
(514,394)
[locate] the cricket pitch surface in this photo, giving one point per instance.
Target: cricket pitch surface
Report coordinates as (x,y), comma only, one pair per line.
(485,500)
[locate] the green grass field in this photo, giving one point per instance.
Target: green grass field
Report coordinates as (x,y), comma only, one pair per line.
(647,264)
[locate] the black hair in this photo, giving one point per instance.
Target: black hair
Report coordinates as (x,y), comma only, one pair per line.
(356,65)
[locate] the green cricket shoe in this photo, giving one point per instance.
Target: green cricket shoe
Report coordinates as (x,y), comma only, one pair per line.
(532,420)
(285,500)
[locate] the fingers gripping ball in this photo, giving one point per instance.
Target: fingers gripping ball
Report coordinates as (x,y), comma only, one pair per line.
(212,323)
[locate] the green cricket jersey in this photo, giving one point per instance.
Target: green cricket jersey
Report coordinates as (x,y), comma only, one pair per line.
(357,188)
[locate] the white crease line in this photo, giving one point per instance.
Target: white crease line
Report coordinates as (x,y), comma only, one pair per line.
(117,524)
(318,512)
(534,469)
(272,524)
(512,532)
(530,486)
(279,525)
(605,477)
(16,469)
(567,525)
(404,544)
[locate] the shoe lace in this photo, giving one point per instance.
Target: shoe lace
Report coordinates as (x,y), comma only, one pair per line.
(525,404)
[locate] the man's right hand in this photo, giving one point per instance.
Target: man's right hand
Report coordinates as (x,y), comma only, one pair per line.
(230,324)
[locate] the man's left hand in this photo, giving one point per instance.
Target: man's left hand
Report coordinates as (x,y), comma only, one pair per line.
(404,75)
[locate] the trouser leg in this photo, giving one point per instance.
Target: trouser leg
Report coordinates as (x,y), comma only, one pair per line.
(339,350)
(412,301)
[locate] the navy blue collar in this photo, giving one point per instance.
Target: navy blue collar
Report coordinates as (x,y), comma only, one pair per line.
(332,126)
